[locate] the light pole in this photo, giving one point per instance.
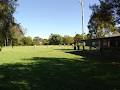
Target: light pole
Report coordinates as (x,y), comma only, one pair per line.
(82,12)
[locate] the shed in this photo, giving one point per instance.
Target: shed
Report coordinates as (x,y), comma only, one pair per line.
(104,43)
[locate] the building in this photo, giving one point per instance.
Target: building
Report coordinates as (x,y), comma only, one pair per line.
(104,43)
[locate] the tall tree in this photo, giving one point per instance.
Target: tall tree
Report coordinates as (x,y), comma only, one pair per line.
(16,34)
(102,18)
(7,9)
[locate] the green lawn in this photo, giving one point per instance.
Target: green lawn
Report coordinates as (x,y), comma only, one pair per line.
(56,68)
(20,54)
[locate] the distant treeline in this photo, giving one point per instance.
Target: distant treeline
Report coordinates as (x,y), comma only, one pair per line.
(54,39)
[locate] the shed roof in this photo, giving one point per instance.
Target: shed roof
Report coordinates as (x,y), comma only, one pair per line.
(104,38)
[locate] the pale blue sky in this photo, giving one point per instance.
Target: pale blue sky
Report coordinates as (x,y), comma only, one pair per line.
(43,17)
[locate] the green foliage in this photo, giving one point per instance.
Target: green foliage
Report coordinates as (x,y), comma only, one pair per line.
(78,38)
(102,17)
(116,9)
(7,9)
(55,39)
(27,41)
(67,40)
(45,42)
(17,34)
(37,41)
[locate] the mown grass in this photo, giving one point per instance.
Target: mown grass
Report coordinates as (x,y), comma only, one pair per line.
(17,54)
(56,68)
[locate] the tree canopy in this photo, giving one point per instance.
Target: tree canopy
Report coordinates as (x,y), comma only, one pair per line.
(78,38)
(67,40)
(55,39)
(104,16)
(7,9)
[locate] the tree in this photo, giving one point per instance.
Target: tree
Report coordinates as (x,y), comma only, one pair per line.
(55,39)
(116,9)
(27,41)
(67,40)
(37,40)
(78,38)
(102,18)
(7,9)
(16,32)
(45,42)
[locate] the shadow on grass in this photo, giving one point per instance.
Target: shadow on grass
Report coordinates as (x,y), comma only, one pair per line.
(64,50)
(60,74)
(95,56)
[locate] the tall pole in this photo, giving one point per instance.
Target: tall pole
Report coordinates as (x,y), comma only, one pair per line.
(82,12)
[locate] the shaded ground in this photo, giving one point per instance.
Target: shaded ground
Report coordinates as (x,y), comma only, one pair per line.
(96,56)
(60,74)
(90,71)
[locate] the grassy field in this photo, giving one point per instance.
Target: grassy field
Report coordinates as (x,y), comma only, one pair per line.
(56,68)
(21,54)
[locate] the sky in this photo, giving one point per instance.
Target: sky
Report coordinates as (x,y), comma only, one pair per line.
(44,17)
